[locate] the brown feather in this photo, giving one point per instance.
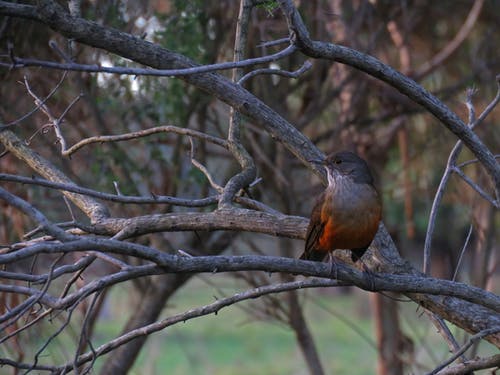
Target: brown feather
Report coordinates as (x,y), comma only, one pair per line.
(346,215)
(314,232)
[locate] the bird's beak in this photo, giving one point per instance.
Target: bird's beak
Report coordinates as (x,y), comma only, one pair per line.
(317,161)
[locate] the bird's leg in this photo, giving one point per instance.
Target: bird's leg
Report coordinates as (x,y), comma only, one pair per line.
(333,265)
(369,273)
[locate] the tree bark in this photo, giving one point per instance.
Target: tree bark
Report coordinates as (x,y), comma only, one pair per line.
(389,336)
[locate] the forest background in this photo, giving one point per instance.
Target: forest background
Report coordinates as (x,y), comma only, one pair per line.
(164,169)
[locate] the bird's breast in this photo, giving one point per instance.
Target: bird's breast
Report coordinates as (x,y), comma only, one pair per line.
(351,213)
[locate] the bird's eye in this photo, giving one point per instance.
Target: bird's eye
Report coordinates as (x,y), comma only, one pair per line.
(338,161)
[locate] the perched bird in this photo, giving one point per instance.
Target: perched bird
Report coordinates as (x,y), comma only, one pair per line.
(347,214)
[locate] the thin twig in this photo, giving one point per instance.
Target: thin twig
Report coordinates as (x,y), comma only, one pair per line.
(272,43)
(473,161)
(445,332)
(147,132)
(476,187)
(459,262)
(295,74)
(35,215)
(490,106)
(24,63)
(467,368)
(83,332)
(55,123)
(203,169)
(38,106)
(478,336)
(156,199)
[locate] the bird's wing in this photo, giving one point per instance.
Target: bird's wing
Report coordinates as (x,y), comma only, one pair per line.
(314,231)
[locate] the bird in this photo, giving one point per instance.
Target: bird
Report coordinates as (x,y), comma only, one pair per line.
(347,213)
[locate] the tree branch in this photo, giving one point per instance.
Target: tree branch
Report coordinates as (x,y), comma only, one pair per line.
(175,264)
(94,210)
(154,199)
(478,336)
(20,62)
(492,362)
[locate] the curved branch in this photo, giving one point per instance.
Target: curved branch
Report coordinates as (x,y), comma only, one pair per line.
(154,199)
(35,215)
(144,133)
(25,63)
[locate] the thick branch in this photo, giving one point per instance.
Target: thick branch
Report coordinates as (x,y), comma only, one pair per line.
(236,219)
(94,210)
(471,315)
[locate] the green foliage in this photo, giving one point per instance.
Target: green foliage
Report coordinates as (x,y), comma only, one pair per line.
(183,29)
(269,6)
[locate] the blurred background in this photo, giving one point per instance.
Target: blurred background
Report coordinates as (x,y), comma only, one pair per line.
(446,46)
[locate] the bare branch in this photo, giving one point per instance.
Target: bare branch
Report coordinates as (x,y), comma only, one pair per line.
(489,107)
(147,132)
(157,57)
(70,66)
(476,187)
(451,167)
(478,336)
(40,104)
(203,169)
(445,332)
(56,122)
(248,169)
(40,165)
(156,199)
(83,263)
(492,362)
(35,215)
(462,252)
(176,264)
(295,74)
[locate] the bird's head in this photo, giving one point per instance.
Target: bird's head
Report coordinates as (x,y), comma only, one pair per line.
(345,164)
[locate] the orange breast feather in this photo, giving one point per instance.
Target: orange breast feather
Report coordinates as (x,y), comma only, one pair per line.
(327,238)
